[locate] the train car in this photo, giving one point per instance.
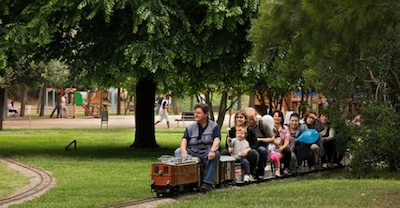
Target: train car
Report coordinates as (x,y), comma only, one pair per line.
(175,176)
(226,170)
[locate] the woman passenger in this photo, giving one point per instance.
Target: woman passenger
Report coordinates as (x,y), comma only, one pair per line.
(284,134)
(296,129)
(328,141)
(312,122)
(252,155)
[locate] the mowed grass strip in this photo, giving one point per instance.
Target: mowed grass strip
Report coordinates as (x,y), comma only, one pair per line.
(302,193)
(102,171)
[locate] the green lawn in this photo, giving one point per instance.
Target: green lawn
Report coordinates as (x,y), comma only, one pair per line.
(104,171)
(10,181)
(304,193)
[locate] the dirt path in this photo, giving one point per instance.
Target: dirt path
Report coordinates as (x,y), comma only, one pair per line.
(121,121)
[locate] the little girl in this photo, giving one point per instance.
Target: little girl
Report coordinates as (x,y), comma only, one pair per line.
(274,155)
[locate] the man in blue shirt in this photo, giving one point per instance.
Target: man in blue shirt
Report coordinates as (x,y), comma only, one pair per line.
(202,140)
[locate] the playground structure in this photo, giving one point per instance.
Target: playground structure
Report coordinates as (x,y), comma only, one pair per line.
(95,106)
(92,103)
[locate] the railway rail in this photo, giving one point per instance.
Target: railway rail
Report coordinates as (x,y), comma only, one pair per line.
(40,182)
(155,201)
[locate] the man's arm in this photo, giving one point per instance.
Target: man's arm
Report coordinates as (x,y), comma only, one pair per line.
(216,143)
(184,142)
(214,148)
(183,146)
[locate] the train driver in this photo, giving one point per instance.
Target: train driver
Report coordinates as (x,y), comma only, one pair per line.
(202,139)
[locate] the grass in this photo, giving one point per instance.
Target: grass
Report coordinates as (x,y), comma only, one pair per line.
(104,171)
(303,193)
(10,181)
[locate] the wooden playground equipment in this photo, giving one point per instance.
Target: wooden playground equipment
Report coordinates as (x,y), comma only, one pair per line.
(93,108)
(95,105)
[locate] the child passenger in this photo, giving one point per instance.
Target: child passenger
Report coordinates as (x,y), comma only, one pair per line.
(274,155)
(239,147)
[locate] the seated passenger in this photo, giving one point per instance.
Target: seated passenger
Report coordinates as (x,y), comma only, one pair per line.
(275,155)
(252,155)
(11,109)
(264,136)
(238,148)
(295,130)
(312,122)
(201,139)
(284,134)
(328,141)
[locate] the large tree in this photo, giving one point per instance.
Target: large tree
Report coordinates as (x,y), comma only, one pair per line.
(149,40)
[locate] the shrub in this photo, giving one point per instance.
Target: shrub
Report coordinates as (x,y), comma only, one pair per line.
(375,142)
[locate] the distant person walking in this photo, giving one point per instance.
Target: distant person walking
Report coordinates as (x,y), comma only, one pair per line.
(163,111)
(63,107)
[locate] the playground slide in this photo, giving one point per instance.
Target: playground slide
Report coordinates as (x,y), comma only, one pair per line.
(88,112)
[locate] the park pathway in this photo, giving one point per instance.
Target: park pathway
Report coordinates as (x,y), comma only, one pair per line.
(115,121)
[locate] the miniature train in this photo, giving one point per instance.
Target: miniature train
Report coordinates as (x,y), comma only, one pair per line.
(174,175)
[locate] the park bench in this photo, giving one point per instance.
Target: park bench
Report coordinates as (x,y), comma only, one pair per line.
(186,116)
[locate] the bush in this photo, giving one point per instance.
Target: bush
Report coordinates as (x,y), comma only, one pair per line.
(375,142)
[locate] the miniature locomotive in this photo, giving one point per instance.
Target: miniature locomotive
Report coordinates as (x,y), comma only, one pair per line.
(174,175)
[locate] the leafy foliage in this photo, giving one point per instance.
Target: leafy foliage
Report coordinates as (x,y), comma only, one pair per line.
(376,139)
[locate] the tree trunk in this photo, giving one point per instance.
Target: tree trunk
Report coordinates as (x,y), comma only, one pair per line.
(23,101)
(43,100)
(210,105)
(39,101)
(175,106)
(3,101)
(252,100)
(119,101)
(191,103)
(144,114)
(239,103)
(222,109)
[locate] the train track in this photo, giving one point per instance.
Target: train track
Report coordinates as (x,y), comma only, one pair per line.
(143,203)
(155,201)
(40,182)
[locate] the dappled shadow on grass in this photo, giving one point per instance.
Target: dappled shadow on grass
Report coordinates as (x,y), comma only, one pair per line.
(110,143)
(95,152)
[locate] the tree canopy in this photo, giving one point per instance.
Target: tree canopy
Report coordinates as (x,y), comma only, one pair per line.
(351,47)
(176,43)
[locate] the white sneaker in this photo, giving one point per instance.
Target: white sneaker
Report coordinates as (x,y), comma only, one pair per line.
(246,178)
(324,165)
(278,173)
(252,178)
